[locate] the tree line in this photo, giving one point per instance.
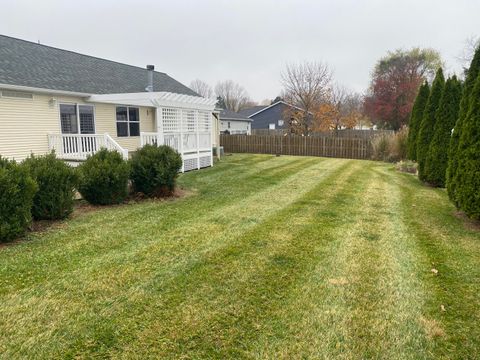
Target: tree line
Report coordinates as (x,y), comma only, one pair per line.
(444,136)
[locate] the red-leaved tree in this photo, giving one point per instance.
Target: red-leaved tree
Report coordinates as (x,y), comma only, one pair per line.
(394,85)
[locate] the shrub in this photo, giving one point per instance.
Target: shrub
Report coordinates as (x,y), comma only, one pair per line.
(437,157)
(155,169)
(390,147)
(56,186)
(103,178)
(381,147)
(452,169)
(415,120)
(17,190)
(427,125)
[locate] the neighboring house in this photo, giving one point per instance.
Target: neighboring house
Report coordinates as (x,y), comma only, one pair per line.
(234,123)
(268,117)
(53,99)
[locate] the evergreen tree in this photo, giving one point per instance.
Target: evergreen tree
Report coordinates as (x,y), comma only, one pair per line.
(427,125)
(467,190)
(415,120)
(452,168)
(437,156)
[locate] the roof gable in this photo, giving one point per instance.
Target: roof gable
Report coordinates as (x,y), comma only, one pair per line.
(30,64)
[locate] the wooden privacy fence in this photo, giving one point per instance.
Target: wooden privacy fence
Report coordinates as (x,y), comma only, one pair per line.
(346,133)
(339,147)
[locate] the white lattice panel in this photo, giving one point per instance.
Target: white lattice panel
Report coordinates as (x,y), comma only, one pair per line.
(189,123)
(171,119)
(204,121)
(205,161)
(190,164)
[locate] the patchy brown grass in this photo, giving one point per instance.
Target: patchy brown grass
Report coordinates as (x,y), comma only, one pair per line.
(432,328)
(469,224)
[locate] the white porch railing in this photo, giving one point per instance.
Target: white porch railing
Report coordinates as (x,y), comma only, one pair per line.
(79,146)
(195,148)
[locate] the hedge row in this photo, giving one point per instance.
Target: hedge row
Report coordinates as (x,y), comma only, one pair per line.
(448,138)
(43,187)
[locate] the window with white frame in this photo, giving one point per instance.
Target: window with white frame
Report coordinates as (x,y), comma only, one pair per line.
(280,122)
(271,126)
(75,119)
(128,121)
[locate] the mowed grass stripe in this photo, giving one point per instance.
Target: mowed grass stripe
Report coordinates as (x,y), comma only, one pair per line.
(452,248)
(103,275)
(222,301)
(103,231)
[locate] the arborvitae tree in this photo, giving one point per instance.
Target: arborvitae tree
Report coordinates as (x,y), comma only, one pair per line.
(472,74)
(427,125)
(467,192)
(415,119)
(437,156)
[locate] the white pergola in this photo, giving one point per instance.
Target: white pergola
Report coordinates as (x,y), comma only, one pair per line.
(184,122)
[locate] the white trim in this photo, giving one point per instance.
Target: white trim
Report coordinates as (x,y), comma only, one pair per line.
(157,99)
(278,102)
(42,90)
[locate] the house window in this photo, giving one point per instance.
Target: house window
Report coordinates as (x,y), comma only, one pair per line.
(280,122)
(271,126)
(77,118)
(128,121)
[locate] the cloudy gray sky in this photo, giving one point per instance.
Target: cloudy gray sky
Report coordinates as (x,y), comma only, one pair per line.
(247,41)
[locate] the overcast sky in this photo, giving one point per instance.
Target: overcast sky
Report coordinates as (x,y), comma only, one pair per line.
(246,41)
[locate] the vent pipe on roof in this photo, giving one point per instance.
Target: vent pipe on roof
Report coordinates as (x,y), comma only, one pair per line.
(150,69)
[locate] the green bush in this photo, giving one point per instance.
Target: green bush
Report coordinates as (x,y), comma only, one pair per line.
(17,190)
(155,169)
(452,169)
(437,157)
(103,178)
(56,186)
(415,120)
(468,171)
(427,125)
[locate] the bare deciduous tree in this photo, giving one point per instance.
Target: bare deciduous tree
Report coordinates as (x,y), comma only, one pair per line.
(466,56)
(202,88)
(306,85)
(234,95)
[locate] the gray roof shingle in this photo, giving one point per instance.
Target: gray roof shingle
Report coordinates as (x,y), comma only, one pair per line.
(232,115)
(30,64)
(252,110)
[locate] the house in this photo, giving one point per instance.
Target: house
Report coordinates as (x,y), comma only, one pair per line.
(234,123)
(54,99)
(268,117)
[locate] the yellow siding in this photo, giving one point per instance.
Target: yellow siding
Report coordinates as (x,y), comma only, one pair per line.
(24,124)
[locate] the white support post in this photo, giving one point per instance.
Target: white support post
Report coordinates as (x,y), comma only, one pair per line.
(159,120)
(197,128)
(214,130)
(180,146)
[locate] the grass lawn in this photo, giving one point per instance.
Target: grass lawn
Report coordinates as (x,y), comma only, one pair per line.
(271,257)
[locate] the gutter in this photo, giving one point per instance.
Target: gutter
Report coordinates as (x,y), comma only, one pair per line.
(42,90)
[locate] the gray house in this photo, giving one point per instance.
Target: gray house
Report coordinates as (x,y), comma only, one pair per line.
(268,117)
(234,123)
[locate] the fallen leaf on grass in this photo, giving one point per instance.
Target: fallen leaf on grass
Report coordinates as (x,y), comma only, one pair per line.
(435,271)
